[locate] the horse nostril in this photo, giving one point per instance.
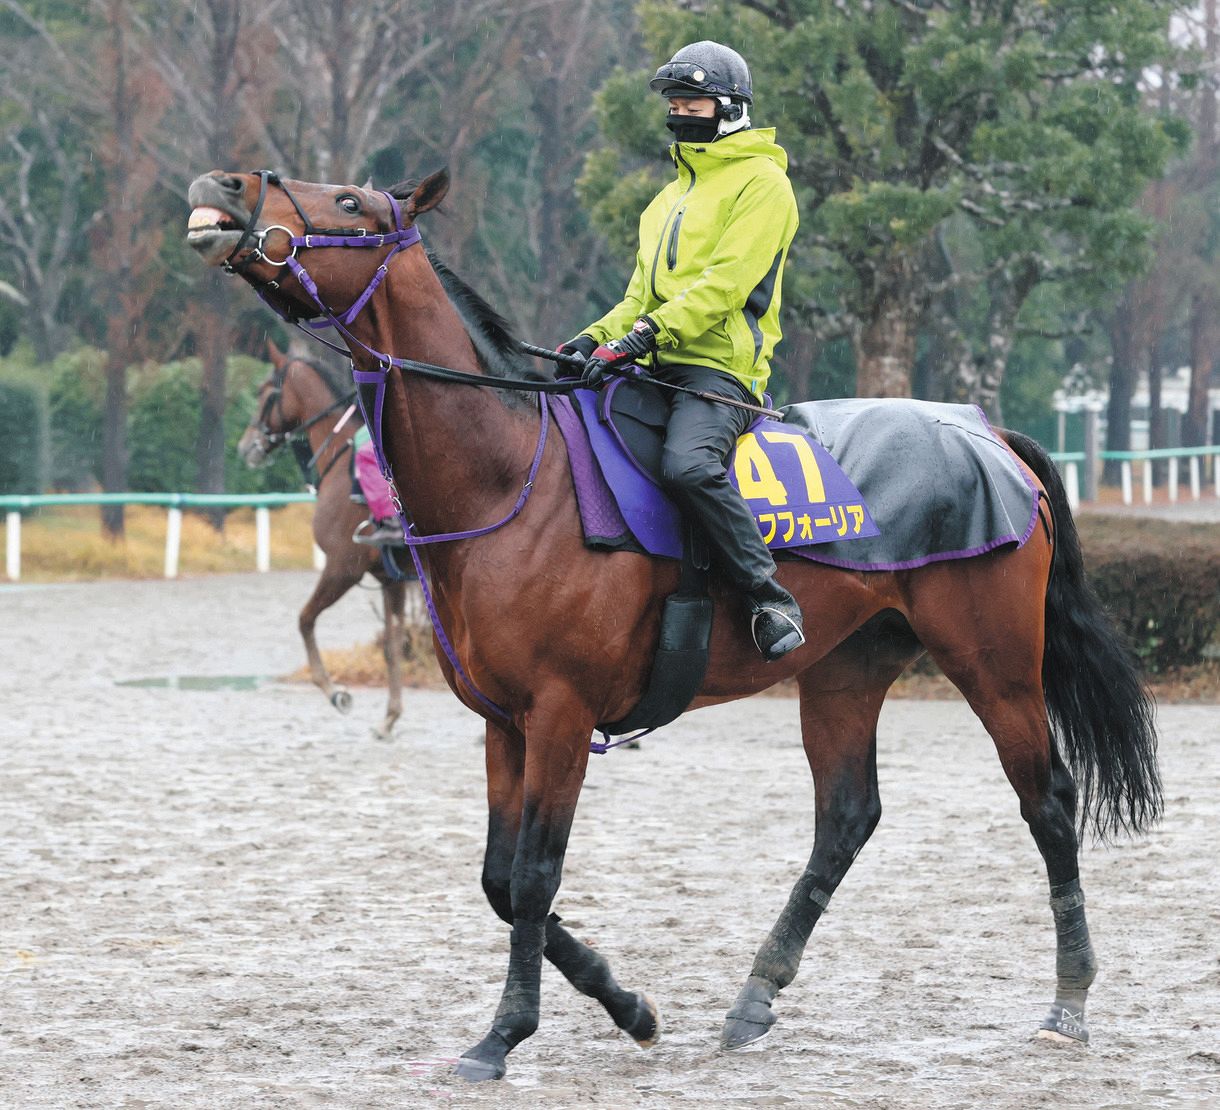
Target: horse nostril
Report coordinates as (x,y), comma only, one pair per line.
(227,181)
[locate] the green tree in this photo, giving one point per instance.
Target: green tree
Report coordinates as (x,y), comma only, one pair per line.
(1025,120)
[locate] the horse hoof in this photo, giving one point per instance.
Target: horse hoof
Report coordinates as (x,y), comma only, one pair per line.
(645,1030)
(749,1020)
(341,700)
(1055,1037)
(1063,1025)
(478,1071)
(737,1032)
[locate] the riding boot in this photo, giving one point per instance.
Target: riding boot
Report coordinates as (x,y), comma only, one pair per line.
(776,620)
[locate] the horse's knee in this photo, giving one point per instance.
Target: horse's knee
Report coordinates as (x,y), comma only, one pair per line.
(498,889)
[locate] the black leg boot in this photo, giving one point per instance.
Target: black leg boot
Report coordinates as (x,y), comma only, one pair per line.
(775,620)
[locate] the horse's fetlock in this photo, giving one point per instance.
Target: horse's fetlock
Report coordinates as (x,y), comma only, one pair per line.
(515,1027)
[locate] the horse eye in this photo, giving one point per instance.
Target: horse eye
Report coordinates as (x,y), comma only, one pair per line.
(349,204)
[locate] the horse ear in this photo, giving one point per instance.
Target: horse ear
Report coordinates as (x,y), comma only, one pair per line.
(276,356)
(428,194)
(367,186)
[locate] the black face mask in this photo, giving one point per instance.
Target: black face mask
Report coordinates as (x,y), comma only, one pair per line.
(692,129)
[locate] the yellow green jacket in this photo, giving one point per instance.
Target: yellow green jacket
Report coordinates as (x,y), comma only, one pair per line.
(712,249)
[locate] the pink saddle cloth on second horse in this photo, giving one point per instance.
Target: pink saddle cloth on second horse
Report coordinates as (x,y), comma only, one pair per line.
(375,488)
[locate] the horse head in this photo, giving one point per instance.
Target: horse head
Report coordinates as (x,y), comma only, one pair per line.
(274,415)
(258,225)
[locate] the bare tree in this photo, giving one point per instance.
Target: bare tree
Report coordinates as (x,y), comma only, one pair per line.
(217,88)
(39,218)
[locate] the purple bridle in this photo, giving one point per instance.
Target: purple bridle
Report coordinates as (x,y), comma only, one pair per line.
(374,381)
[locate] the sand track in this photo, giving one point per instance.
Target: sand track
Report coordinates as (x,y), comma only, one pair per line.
(240,899)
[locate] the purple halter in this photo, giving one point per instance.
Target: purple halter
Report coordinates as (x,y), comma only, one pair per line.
(374,381)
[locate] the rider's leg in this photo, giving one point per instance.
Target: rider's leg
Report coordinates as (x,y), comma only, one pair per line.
(698,439)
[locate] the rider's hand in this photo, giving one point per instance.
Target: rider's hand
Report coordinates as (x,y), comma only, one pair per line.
(640,341)
(582,346)
(601,363)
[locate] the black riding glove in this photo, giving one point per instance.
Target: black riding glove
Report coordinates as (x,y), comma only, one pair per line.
(640,341)
(582,345)
(601,363)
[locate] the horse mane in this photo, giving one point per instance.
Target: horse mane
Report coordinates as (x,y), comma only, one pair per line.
(339,387)
(496,347)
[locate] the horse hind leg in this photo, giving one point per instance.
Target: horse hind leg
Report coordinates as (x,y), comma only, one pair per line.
(393,597)
(841,700)
(1004,688)
(329,589)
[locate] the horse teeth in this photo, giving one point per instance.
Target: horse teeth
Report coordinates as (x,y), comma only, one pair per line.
(205,217)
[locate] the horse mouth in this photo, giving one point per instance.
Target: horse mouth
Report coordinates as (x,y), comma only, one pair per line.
(212,232)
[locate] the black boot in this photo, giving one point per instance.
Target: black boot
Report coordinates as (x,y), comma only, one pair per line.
(776,620)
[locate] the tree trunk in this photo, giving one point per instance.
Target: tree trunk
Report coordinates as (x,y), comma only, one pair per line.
(215,340)
(1122,386)
(1156,422)
(884,341)
(800,353)
(1203,338)
(114,436)
(885,352)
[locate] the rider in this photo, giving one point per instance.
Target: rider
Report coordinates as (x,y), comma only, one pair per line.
(703,303)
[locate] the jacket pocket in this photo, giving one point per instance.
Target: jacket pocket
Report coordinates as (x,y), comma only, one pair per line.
(742,340)
(671,252)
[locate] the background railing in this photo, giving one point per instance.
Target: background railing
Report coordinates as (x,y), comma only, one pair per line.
(1078,466)
(175,503)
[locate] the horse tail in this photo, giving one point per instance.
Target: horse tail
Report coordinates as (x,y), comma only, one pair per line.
(1101,714)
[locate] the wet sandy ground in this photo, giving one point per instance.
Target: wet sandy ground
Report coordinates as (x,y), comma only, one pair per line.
(240,899)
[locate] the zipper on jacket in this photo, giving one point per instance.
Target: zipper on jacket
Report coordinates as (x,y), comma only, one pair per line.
(671,256)
(656,258)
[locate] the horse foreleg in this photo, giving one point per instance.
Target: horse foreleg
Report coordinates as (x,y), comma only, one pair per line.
(587,970)
(840,701)
(533,784)
(329,589)
(393,597)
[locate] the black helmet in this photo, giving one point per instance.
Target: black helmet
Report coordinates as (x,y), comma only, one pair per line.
(705,69)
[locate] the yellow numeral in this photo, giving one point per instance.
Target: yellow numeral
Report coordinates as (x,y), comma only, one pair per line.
(755,476)
(814,486)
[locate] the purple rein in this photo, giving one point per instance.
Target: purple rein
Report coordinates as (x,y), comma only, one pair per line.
(400,238)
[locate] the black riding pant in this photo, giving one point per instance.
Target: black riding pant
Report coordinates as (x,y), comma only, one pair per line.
(698,439)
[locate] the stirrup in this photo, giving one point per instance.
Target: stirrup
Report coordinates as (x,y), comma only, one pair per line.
(371,534)
(783,635)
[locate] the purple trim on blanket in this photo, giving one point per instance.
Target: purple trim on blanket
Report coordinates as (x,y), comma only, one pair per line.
(811,553)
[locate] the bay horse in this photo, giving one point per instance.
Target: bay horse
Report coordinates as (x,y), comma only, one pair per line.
(545,638)
(299,402)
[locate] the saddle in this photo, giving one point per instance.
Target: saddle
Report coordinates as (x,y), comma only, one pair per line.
(797,491)
(936,476)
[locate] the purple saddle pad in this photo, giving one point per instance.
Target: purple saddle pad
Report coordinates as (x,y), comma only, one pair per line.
(797,492)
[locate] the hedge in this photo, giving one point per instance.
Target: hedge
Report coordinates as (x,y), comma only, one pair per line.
(1160,582)
(19,436)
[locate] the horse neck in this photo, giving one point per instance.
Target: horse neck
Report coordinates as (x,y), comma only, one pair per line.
(456,452)
(315,396)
